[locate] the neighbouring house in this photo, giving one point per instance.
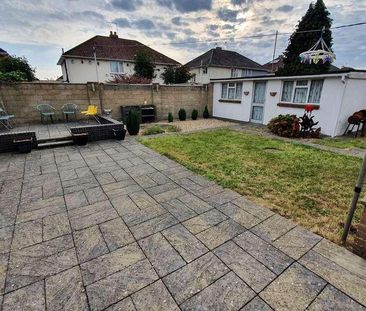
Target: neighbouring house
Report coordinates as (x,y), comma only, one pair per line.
(114,56)
(219,63)
(274,65)
(3,53)
(335,96)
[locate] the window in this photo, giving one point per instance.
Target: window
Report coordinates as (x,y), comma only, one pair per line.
(234,72)
(247,73)
(302,91)
(116,67)
(231,90)
(204,70)
(259,92)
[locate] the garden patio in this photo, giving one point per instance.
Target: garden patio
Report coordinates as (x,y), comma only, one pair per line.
(114,225)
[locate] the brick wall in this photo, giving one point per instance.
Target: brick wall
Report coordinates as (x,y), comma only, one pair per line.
(359,246)
(21,99)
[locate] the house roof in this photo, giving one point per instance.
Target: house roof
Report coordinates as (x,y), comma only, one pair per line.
(277,64)
(3,52)
(218,57)
(114,48)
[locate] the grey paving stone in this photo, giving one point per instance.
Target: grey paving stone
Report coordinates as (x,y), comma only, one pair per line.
(256,275)
(162,255)
(179,210)
(123,187)
(55,226)
(95,195)
(204,221)
(194,277)
(123,305)
(65,291)
(155,297)
(3,268)
(273,227)
(255,305)
(121,284)
(89,243)
(188,184)
(105,178)
(140,169)
(239,215)
(30,298)
(303,285)
(208,191)
(331,299)
(142,199)
(120,175)
(108,264)
(169,195)
(116,234)
(227,293)
(5,239)
(162,188)
(188,246)
(145,181)
(297,242)
(347,281)
(76,199)
(27,233)
(79,184)
(90,215)
(153,225)
(36,262)
(223,197)
(138,216)
(220,233)
(194,203)
(252,208)
(264,252)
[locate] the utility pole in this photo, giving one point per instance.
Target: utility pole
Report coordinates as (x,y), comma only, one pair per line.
(274,50)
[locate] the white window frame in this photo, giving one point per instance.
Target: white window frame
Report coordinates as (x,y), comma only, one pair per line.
(120,67)
(296,86)
(204,70)
(235,87)
(234,72)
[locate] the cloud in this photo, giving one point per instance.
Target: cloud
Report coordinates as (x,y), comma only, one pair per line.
(227,15)
(186,5)
(144,24)
(228,26)
(178,21)
(212,27)
(127,5)
(122,22)
(285,8)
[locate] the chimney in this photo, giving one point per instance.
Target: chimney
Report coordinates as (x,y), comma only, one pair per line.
(111,34)
(218,48)
(115,35)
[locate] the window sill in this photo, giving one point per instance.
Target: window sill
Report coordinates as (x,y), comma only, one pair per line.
(299,106)
(231,101)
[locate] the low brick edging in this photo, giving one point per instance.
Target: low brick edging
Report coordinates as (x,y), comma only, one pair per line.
(359,246)
(7,140)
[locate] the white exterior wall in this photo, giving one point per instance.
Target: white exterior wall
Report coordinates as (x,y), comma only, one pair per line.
(217,73)
(338,101)
(79,72)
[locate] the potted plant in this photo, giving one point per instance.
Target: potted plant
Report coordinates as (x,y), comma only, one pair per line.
(170,117)
(133,122)
(119,134)
(206,114)
(23,145)
(80,139)
(194,114)
(182,114)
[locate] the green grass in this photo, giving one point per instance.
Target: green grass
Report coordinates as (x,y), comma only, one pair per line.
(343,142)
(310,186)
(158,129)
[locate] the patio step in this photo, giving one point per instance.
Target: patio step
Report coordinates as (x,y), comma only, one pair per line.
(55,142)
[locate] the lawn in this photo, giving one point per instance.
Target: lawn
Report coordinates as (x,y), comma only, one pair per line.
(342,142)
(310,186)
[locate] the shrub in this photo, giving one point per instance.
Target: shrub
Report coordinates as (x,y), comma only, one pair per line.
(170,117)
(133,122)
(308,124)
(206,114)
(194,114)
(133,79)
(182,114)
(155,129)
(285,125)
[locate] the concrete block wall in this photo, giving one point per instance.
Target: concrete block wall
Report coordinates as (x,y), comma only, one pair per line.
(359,246)
(21,99)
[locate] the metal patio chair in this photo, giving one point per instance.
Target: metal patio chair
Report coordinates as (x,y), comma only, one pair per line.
(5,119)
(69,109)
(46,110)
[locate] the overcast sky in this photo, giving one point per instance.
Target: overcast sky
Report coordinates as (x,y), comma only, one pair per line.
(39,29)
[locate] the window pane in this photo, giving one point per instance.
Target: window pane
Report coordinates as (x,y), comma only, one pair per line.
(231,93)
(302,83)
(300,95)
(239,87)
(114,66)
(120,68)
(315,91)
(287,91)
(224,90)
(259,92)
(257,113)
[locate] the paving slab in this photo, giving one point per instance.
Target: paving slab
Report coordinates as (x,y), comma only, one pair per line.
(256,304)
(116,234)
(204,221)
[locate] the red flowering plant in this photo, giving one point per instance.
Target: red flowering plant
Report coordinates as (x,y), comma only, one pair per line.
(307,124)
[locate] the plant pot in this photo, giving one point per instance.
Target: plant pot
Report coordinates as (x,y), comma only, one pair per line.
(80,139)
(23,145)
(119,134)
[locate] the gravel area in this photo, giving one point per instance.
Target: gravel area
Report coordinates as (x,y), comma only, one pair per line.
(200,124)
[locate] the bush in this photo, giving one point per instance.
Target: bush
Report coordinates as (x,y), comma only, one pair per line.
(206,114)
(194,114)
(170,117)
(133,122)
(13,76)
(134,79)
(182,114)
(285,126)
(155,129)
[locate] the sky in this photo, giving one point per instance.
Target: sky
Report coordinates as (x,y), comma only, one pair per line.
(180,29)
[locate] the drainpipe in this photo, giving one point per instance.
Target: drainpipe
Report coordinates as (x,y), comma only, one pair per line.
(344,81)
(67,73)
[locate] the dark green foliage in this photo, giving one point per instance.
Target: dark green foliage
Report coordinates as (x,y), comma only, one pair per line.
(133,122)
(176,75)
(14,69)
(316,17)
(194,114)
(170,117)
(206,114)
(182,114)
(144,66)
(285,125)
(155,129)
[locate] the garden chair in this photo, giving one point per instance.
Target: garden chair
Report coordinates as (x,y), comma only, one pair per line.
(5,119)
(46,110)
(69,109)
(91,112)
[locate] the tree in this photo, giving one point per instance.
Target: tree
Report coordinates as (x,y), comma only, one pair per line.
(14,68)
(176,75)
(144,66)
(316,17)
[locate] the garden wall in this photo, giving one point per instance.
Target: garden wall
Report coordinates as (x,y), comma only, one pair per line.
(21,99)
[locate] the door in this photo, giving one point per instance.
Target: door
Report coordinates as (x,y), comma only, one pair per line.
(259,97)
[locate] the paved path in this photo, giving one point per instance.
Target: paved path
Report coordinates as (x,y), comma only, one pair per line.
(115,225)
